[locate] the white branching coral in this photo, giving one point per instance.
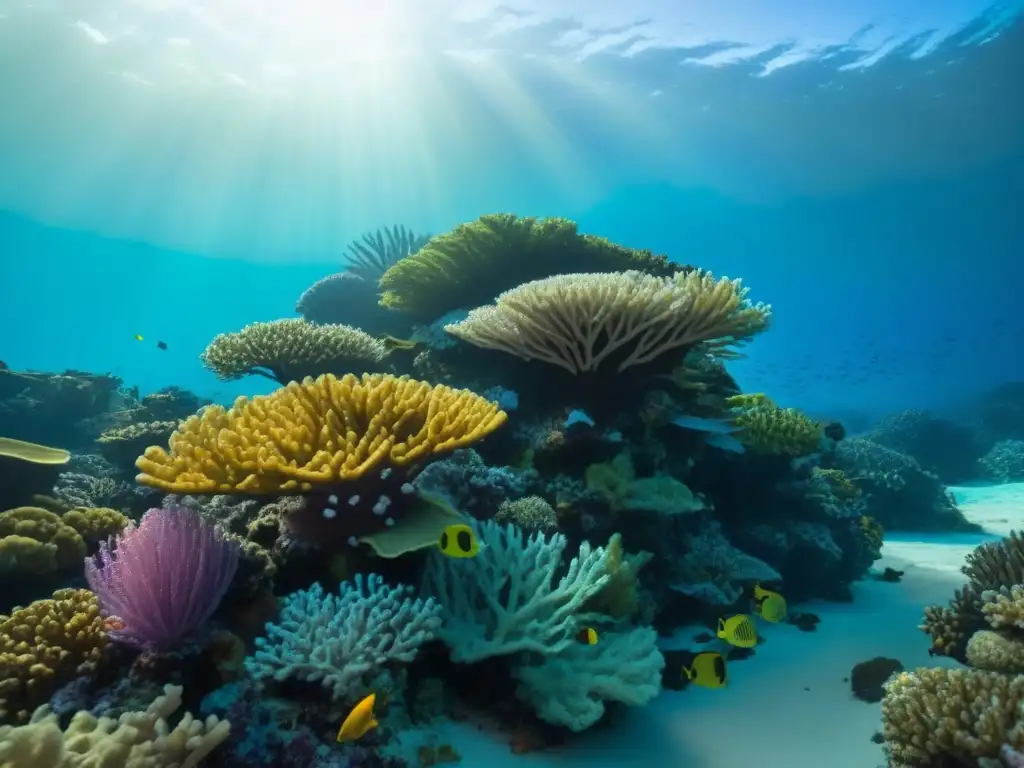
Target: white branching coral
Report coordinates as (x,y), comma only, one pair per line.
(578,321)
(510,598)
(341,641)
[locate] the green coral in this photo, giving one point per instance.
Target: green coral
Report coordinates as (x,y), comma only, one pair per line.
(476,261)
(95,524)
(35,541)
(617,483)
(766,428)
(531,513)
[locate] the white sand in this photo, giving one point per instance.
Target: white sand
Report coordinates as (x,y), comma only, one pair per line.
(787,707)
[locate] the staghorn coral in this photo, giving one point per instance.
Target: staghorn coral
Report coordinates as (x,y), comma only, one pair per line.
(514,596)
(531,513)
(37,541)
(766,428)
(122,445)
(291,349)
(476,261)
(950,627)
(342,641)
(378,251)
(135,740)
(961,714)
(46,644)
(581,321)
(321,431)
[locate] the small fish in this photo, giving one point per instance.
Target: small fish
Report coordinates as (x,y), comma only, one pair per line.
(738,630)
(770,606)
(587,636)
(707,669)
(458,540)
(360,720)
(161,345)
(138,337)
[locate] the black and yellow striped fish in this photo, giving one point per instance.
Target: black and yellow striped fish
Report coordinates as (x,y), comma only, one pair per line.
(738,630)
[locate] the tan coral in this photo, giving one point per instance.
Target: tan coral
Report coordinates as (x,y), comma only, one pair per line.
(322,431)
(46,644)
(36,541)
(95,524)
(288,350)
(578,321)
(933,714)
(996,652)
(1004,608)
(135,740)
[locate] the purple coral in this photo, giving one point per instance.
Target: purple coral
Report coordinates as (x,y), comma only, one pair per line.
(158,583)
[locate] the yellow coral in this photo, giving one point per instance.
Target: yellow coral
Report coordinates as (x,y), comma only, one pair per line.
(135,740)
(958,714)
(842,486)
(45,645)
(95,524)
(321,431)
(873,531)
(766,428)
(37,541)
(1004,609)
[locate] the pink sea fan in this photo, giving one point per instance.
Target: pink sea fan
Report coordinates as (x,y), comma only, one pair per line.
(159,582)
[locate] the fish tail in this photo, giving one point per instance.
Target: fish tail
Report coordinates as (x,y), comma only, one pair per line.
(688,673)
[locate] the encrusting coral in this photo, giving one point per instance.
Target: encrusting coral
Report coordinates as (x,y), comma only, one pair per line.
(45,645)
(581,321)
(291,349)
(317,432)
(122,445)
(476,261)
(342,641)
(135,740)
(37,541)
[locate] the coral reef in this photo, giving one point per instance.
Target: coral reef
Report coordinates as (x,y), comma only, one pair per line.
(122,445)
(938,445)
(1004,462)
(966,715)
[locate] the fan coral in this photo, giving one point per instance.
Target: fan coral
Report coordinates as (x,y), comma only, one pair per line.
(46,644)
(478,260)
(161,581)
(135,740)
(507,599)
(315,433)
(374,255)
(342,640)
(288,350)
(578,321)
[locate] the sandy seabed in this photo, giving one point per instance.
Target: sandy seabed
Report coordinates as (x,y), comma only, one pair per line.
(789,706)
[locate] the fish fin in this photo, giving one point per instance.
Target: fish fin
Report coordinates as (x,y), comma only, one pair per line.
(688,673)
(724,442)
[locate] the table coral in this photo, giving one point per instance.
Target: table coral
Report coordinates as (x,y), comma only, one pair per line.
(46,644)
(135,740)
(317,432)
(341,640)
(288,350)
(582,321)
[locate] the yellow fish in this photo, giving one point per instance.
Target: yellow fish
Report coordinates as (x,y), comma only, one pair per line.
(738,630)
(587,636)
(707,669)
(459,541)
(771,606)
(360,720)
(138,337)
